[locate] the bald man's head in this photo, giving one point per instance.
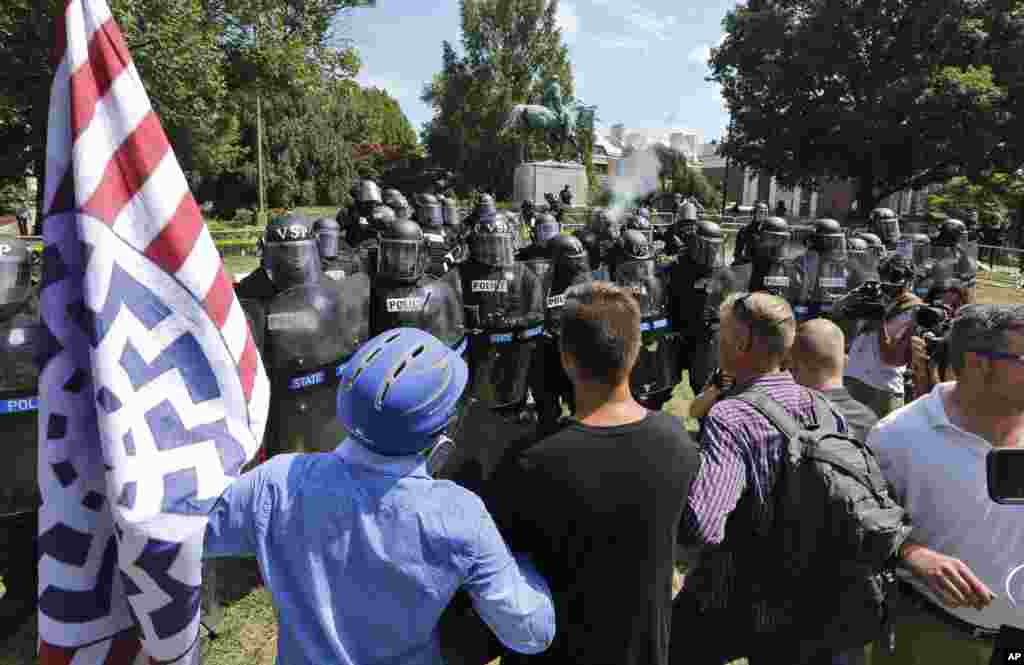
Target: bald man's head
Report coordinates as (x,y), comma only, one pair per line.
(819,354)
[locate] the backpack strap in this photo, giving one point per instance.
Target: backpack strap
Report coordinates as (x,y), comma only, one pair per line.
(764,404)
(823,420)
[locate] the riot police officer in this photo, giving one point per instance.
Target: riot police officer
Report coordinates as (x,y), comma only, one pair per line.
(306,327)
(367,202)
(337,258)
(950,261)
(527,212)
(546,228)
(700,283)
(20,335)
(404,296)
(875,245)
(431,220)
(822,273)
(453,230)
(653,377)
(485,212)
(617,253)
(503,302)
(279,266)
(886,224)
(746,239)
(772,265)
(548,380)
(862,262)
(686,220)
(599,239)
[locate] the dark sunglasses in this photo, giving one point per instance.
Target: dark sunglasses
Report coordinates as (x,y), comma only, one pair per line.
(1001,355)
(741,309)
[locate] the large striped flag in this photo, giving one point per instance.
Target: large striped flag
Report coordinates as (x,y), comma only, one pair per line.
(153,395)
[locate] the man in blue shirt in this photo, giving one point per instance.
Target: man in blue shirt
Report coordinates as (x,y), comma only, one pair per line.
(361,548)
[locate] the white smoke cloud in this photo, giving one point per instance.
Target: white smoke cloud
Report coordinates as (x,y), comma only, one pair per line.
(640,177)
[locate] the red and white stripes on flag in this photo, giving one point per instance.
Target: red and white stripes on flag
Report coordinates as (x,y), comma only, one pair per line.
(143,328)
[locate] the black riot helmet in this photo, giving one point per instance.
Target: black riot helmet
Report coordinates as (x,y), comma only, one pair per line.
(857,246)
(382,219)
(952,233)
(452,220)
(291,255)
(492,243)
(922,246)
(15,273)
(772,238)
(486,211)
(873,242)
(761,210)
(828,236)
(641,224)
(604,226)
(429,213)
(368,194)
(705,246)
(568,253)
(886,224)
(391,196)
(400,257)
(636,245)
(328,236)
(546,228)
(688,213)
(896,269)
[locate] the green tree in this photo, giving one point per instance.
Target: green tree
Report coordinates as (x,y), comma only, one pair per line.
(993,196)
(891,94)
(511,49)
(681,178)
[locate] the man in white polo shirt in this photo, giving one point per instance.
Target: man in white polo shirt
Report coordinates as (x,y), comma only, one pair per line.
(962,562)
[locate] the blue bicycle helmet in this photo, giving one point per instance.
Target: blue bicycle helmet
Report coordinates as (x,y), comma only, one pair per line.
(400,390)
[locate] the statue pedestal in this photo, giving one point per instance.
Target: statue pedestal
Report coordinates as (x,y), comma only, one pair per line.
(535,179)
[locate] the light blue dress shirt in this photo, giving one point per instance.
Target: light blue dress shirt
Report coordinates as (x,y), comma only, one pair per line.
(362,553)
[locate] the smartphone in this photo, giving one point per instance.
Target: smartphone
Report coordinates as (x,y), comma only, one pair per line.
(1005,467)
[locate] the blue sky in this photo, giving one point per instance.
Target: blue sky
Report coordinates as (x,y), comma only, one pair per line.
(642,62)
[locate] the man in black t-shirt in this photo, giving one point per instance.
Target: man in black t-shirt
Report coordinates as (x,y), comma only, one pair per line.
(597,504)
(818,360)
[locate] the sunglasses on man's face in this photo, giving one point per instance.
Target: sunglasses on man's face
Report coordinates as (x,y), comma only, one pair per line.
(1016,358)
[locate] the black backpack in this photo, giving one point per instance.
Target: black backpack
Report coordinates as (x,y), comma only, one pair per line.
(836,532)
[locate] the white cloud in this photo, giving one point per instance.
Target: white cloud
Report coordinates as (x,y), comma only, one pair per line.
(650,23)
(640,22)
(623,42)
(396,89)
(568,21)
(699,54)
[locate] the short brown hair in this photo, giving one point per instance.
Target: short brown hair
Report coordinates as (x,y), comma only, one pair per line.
(769,318)
(601,330)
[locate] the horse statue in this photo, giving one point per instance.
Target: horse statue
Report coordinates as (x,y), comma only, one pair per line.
(551,117)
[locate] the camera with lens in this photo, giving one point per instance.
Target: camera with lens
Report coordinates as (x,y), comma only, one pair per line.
(868,301)
(932,323)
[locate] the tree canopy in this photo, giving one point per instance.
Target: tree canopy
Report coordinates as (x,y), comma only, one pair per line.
(893,94)
(511,48)
(203,63)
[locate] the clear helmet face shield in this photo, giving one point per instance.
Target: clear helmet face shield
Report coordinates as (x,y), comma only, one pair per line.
(493,249)
(328,241)
(400,260)
(289,264)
